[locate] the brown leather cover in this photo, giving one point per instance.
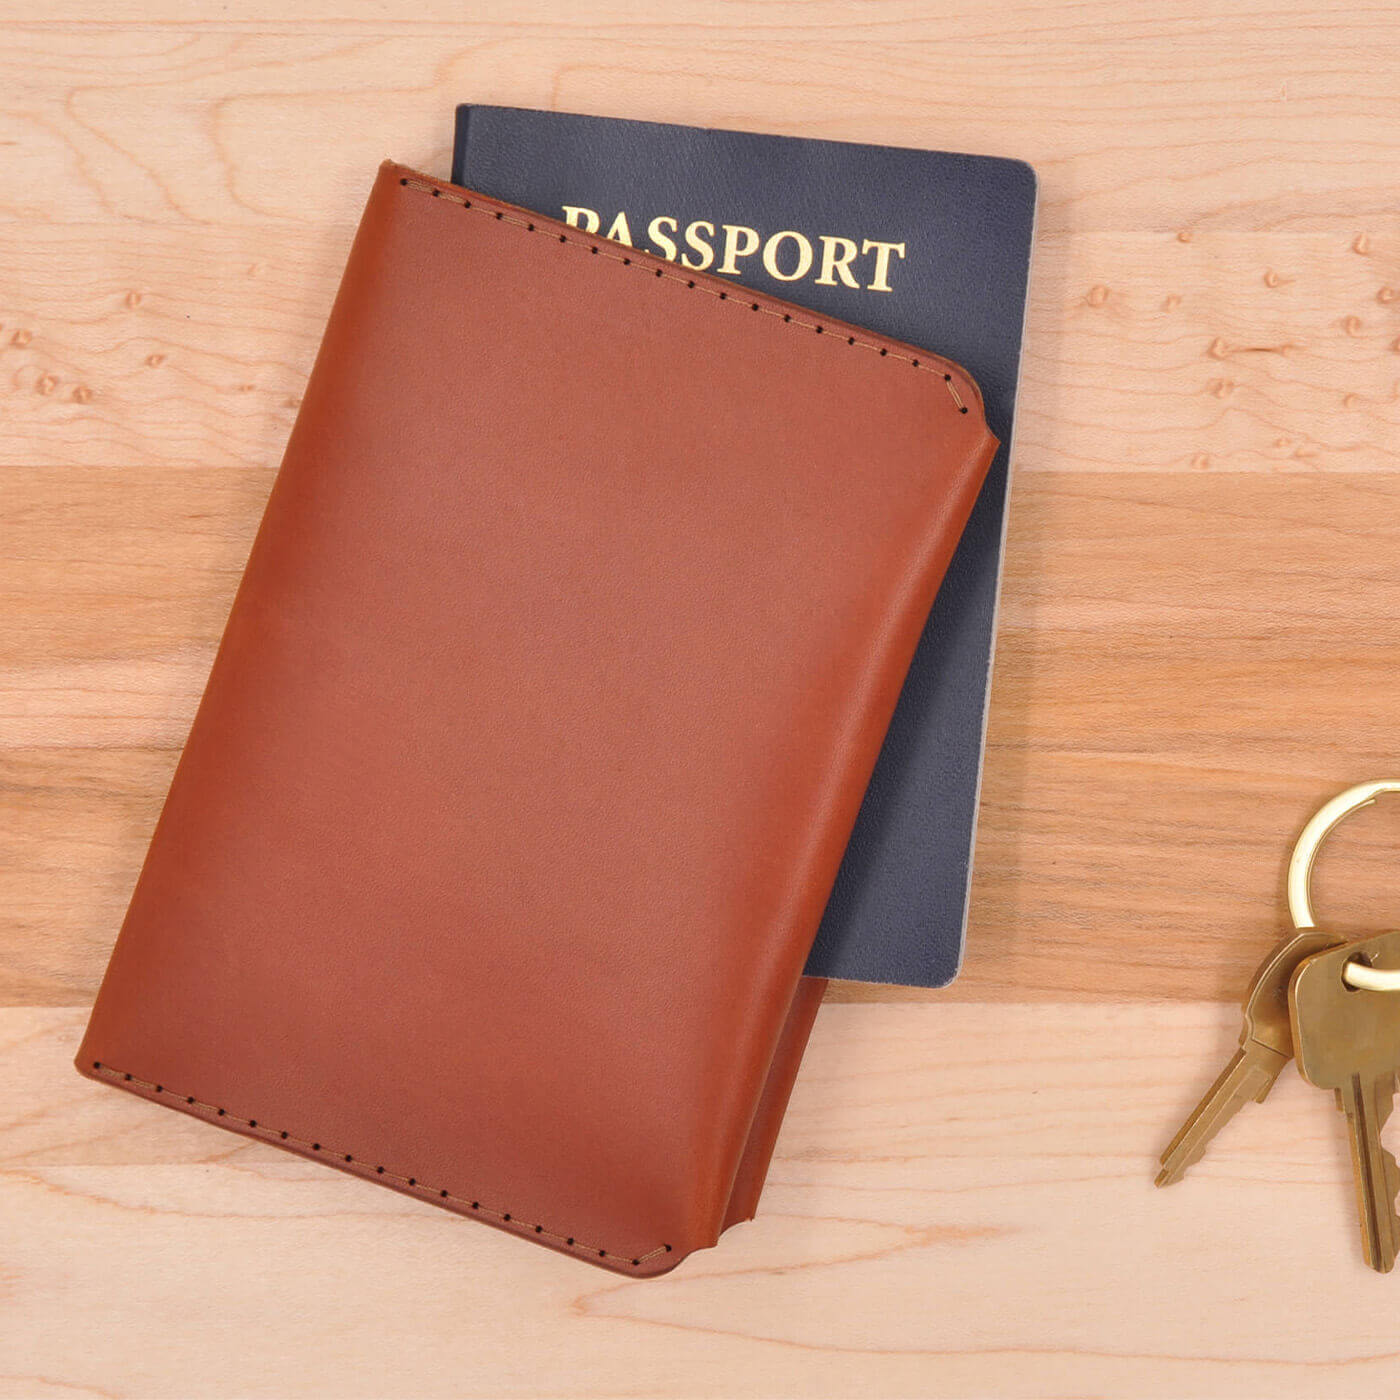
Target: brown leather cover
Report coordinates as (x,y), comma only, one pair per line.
(563,655)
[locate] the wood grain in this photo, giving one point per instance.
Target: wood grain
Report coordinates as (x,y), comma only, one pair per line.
(1200,641)
(938,1221)
(1188,667)
(1145,353)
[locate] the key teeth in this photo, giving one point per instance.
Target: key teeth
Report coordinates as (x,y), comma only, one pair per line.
(1392,1221)
(1382,1104)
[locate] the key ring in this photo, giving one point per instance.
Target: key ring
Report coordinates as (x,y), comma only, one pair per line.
(1300,868)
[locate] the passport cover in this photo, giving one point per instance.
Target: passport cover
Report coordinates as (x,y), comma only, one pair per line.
(562,656)
(938,251)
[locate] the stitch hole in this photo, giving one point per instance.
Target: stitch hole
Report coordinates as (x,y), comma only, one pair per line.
(315,1146)
(883,351)
(539,1229)
(348,1157)
(563,237)
(380,1170)
(283,1136)
(189,1098)
(819,329)
(659,272)
(127,1077)
(252,1122)
(413,1181)
(915,363)
(530,227)
(691,284)
(593,248)
(635,1262)
(437,193)
(850,340)
(754,307)
(97,1064)
(403,182)
(947,378)
(443,1193)
(570,1240)
(222,1113)
(627,262)
(602,1254)
(160,1088)
(466,204)
(668,1249)
(476,1205)
(963,409)
(724,296)
(500,214)
(506,1216)
(787,316)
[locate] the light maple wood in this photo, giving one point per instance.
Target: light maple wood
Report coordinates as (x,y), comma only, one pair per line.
(939,1221)
(1200,641)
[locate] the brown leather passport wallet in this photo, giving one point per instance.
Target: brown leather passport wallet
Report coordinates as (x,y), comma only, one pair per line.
(563,655)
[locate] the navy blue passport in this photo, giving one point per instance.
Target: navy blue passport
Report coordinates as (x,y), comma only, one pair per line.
(926,246)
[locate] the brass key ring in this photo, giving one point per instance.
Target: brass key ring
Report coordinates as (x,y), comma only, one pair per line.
(1300,868)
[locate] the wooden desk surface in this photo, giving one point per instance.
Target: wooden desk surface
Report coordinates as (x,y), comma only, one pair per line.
(1200,641)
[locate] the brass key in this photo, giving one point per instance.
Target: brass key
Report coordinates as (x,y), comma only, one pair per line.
(1349,1040)
(1266,1045)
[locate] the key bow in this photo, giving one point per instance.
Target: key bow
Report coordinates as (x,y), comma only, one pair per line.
(1300,868)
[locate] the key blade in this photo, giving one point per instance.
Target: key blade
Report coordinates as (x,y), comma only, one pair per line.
(1246,1079)
(1366,1100)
